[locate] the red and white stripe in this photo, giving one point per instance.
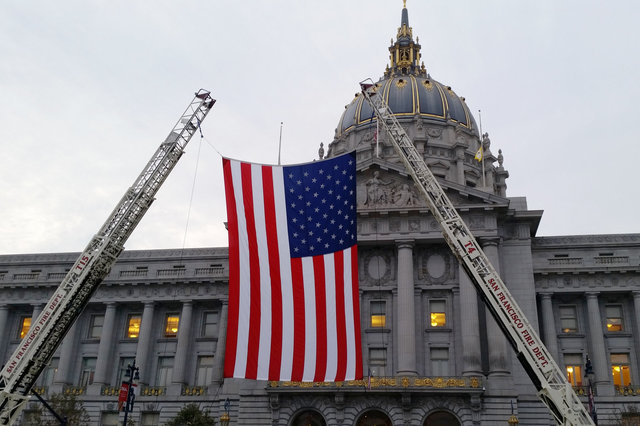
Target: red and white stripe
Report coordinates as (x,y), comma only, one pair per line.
(290,319)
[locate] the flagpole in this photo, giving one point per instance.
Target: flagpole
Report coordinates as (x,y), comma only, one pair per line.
(280,143)
(484,183)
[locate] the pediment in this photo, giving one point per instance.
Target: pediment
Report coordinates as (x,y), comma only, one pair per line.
(383,186)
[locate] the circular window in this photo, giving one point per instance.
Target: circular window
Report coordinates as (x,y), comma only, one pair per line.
(309,418)
(441,418)
(374,418)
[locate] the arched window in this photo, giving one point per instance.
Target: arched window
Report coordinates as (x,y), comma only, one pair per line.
(308,418)
(374,418)
(441,418)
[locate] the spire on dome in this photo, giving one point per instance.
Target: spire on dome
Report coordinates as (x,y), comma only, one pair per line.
(405,52)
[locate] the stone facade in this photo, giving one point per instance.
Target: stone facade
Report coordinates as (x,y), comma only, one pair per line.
(435,354)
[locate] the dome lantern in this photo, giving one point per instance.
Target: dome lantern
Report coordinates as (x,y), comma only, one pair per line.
(405,52)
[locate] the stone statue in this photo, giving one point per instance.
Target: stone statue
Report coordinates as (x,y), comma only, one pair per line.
(404,196)
(376,194)
(486,142)
(321,151)
(500,158)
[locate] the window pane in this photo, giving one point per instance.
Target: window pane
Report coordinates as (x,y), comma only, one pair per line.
(165,370)
(122,369)
(568,319)
(574,375)
(209,324)
(438,317)
(95,326)
(377,362)
(440,361)
(88,369)
(378,314)
(171,325)
(150,419)
(614,318)
(25,325)
(49,372)
(620,369)
(204,372)
(109,419)
(133,326)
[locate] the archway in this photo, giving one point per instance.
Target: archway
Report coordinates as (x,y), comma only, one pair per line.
(374,418)
(441,418)
(308,418)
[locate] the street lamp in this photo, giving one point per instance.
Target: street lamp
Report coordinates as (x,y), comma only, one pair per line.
(224,419)
(127,395)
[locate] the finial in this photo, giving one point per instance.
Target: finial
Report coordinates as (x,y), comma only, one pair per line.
(404,3)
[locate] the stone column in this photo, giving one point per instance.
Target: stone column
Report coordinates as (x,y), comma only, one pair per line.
(636,307)
(4,331)
(470,326)
(103,362)
(549,331)
(460,165)
(498,347)
(182,349)
(67,358)
(37,310)
(144,342)
(598,352)
(406,311)
(218,372)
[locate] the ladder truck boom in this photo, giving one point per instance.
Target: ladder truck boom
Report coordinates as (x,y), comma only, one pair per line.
(67,302)
(553,388)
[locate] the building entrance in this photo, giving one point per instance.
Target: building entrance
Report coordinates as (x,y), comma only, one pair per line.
(441,418)
(374,418)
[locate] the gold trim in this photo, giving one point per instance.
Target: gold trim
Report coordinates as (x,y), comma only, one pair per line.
(473,382)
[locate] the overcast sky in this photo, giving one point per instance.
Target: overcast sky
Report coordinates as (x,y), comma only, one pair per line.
(89,89)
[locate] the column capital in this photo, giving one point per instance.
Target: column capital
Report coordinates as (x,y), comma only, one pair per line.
(546,295)
(400,244)
(149,304)
(635,293)
(187,302)
(489,241)
(592,294)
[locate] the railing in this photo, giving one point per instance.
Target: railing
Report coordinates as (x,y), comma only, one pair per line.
(215,271)
(153,391)
(136,273)
(627,390)
(74,390)
(611,260)
(56,275)
(171,272)
(26,276)
(193,390)
(566,261)
(440,383)
(110,390)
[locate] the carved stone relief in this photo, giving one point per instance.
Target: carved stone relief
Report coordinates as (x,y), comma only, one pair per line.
(376,190)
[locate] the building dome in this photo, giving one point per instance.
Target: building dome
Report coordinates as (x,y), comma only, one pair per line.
(410,96)
(409,90)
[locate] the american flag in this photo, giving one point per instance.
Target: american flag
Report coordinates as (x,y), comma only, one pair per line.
(293,271)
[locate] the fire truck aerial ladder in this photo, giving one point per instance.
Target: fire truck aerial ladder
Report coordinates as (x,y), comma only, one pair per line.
(94,263)
(553,388)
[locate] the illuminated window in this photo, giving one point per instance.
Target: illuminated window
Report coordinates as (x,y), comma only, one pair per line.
(439,361)
(568,319)
(614,318)
(378,313)
(95,326)
(437,316)
(620,369)
(209,324)
(25,325)
(573,367)
(133,326)
(171,325)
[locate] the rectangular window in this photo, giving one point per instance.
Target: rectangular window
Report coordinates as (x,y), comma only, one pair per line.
(614,318)
(440,361)
(378,361)
(165,370)
(620,369)
(378,313)
(150,419)
(95,326)
(209,324)
(87,372)
(568,319)
(573,368)
(122,369)
(204,370)
(171,325)
(49,373)
(109,419)
(133,326)
(23,328)
(437,314)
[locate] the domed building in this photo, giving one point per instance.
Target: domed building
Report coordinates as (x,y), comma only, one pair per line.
(432,353)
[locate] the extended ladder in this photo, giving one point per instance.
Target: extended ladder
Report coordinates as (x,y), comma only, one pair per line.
(553,388)
(70,298)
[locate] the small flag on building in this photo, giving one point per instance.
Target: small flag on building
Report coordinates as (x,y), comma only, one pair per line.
(293,271)
(479,154)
